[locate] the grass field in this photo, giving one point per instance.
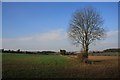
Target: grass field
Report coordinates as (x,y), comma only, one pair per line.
(57,66)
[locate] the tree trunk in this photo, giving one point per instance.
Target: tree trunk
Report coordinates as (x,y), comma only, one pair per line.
(86,51)
(85,54)
(86,45)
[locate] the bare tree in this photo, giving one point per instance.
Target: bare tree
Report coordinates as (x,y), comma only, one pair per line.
(85,28)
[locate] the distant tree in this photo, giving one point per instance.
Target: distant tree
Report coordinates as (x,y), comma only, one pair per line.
(63,52)
(2,50)
(18,50)
(85,28)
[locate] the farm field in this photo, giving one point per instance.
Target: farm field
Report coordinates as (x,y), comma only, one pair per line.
(57,66)
(106,54)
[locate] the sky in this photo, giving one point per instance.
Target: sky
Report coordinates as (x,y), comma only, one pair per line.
(43,25)
(0,25)
(60,0)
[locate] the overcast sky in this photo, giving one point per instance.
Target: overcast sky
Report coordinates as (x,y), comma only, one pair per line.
(43,26)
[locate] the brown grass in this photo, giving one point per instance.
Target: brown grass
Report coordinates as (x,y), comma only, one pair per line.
(103,57)
(103,67)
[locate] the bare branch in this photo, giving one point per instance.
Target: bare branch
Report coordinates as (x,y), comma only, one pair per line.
(86,27)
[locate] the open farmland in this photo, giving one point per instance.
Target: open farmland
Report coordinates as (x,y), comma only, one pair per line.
(57,66)
(105,54)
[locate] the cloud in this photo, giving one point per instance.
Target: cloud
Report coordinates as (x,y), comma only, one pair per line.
(56,40)
(44,37)
(111,41)
(44,41)
(51,36)
(0,43)
(112,33)
(104,45)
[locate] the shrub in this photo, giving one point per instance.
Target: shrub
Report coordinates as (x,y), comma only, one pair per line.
(80,56)
(63,52)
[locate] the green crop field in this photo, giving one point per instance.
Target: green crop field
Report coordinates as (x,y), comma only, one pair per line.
(57,66)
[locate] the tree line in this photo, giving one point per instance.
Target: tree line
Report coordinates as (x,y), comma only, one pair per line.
(27,52)
(62,52)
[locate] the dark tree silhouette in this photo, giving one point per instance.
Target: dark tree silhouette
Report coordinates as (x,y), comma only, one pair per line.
(63,52)
(85,28)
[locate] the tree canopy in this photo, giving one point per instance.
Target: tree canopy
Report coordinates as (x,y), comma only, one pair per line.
(86,26)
